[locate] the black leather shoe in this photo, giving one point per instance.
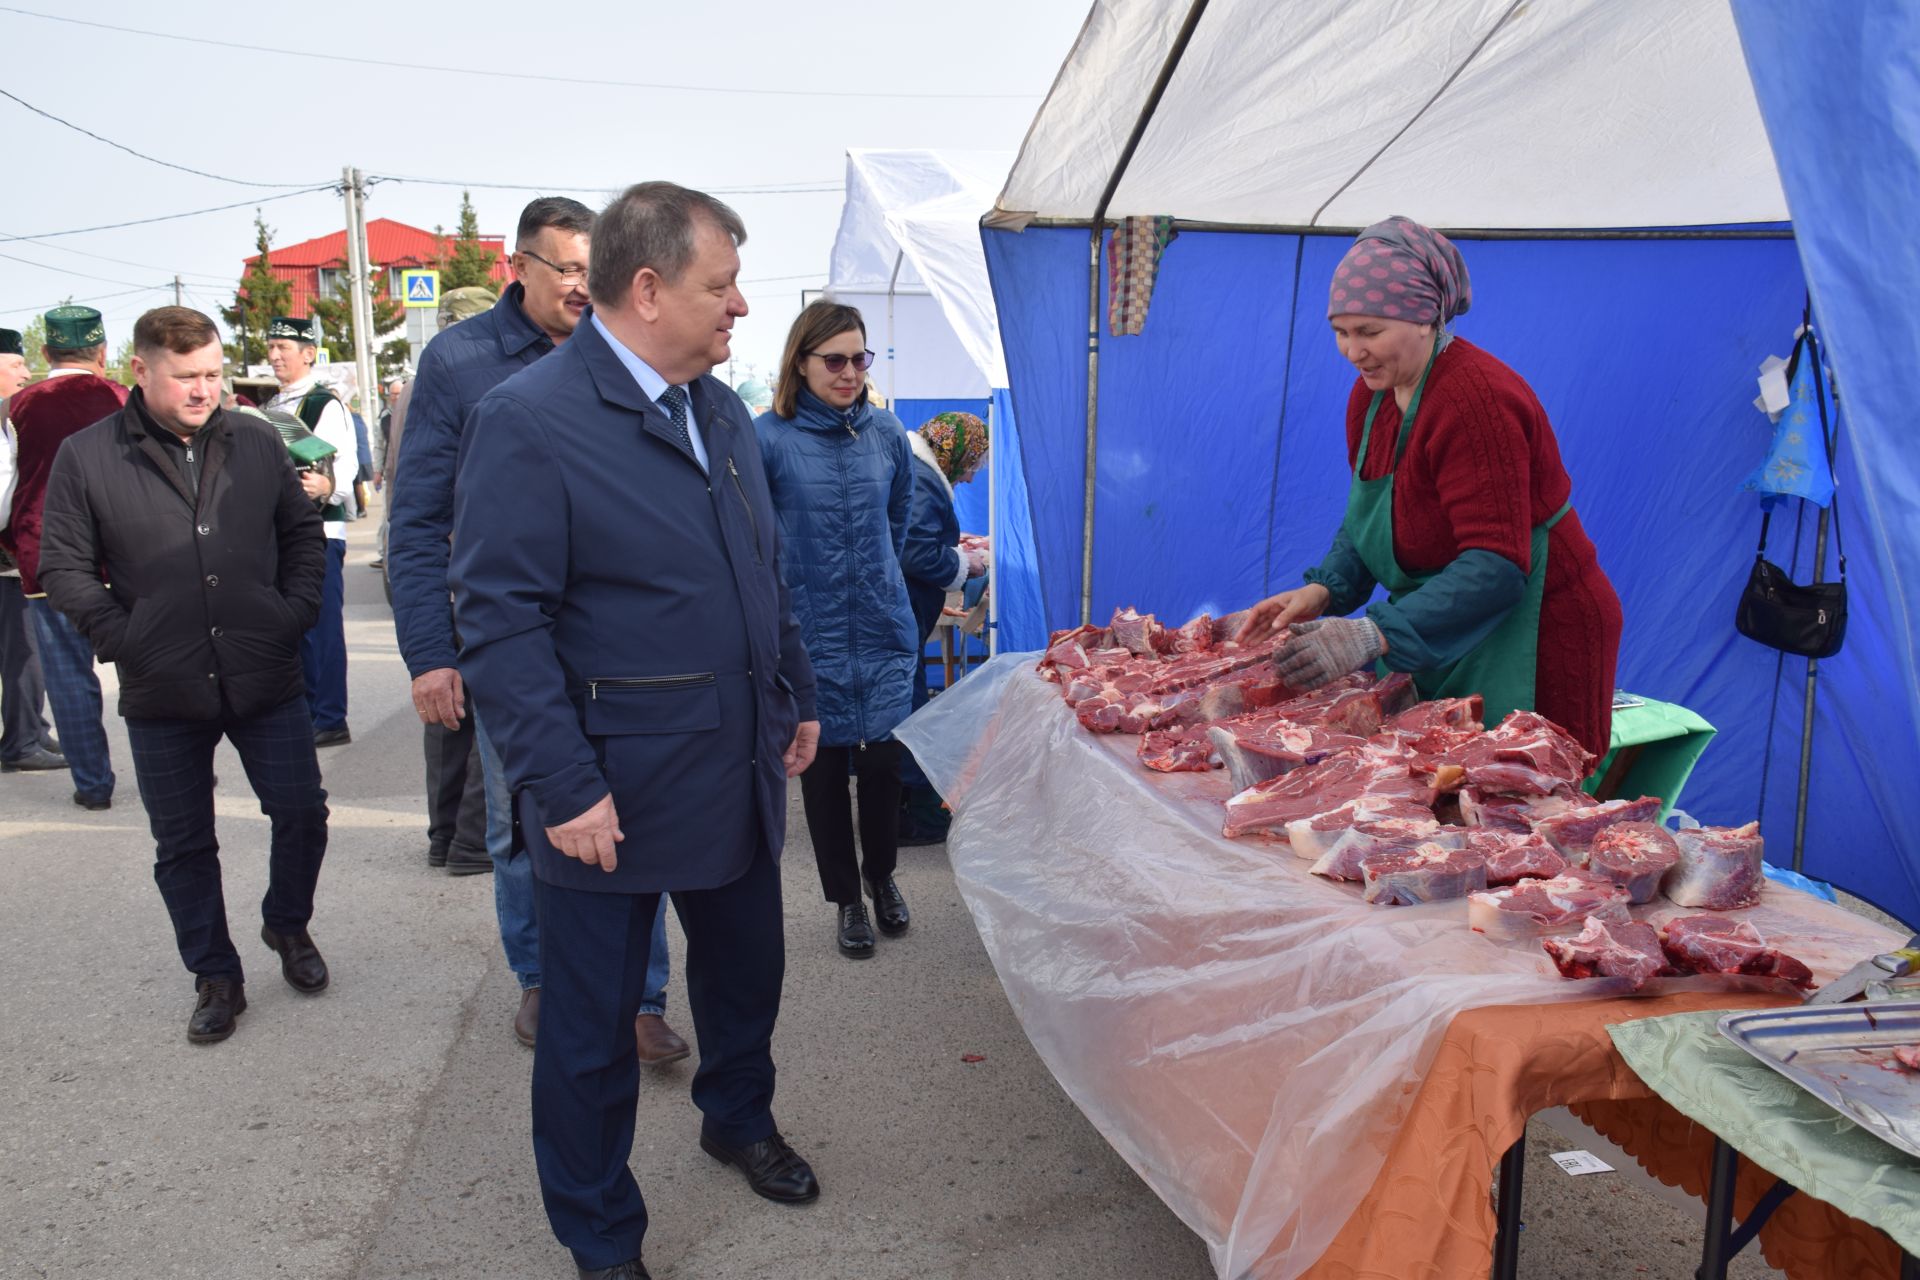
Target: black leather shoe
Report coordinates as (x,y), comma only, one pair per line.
(333,737)
(93,803)
(436,855)
(300,962)
(34,761)
(856,935)
(890,908)
(467,862)
(631,1269)
(219,1002)
(774,1169)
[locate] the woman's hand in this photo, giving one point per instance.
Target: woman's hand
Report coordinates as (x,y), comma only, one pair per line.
(1276,612)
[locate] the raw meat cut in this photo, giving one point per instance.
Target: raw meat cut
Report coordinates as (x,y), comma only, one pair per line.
(1321,788)
(1257,752)
(1368,838)
(1719,868)
(1610,949)
(1635,856)
(1181,750)
(1527,755)
(1425,873)
(1316,837)
(1535,907)
(1715,944)
(1512,856)
(1573,831)
(1516,813)
(1908,1056)
(1140,634)
(1447,715)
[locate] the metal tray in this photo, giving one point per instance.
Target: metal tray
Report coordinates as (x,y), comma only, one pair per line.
(1843,1055)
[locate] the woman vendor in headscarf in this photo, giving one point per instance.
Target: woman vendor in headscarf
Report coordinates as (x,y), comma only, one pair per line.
(1459,506)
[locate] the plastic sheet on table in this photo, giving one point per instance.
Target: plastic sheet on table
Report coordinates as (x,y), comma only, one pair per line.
(1246,1035)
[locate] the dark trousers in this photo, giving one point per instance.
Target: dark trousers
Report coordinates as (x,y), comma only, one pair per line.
(23,695)
(173,763)
(323,650)
(823,792)
(456,789)
(594,949)
(73,691)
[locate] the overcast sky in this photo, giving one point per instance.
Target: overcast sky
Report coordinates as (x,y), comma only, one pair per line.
(267,117)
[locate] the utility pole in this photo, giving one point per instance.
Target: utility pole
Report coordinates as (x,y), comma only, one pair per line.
(177,300)
(357,284)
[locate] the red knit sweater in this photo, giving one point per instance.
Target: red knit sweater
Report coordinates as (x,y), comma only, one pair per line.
(1481,470)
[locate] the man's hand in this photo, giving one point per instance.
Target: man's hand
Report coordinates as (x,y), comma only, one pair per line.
(806,741)
(1326,649)
(1275,613)
(316,485)
(591,836)
(440,697)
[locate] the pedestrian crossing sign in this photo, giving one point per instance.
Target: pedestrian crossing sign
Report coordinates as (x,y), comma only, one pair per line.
(420,288)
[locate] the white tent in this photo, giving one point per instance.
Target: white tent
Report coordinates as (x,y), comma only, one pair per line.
(908,256)
(1345,107)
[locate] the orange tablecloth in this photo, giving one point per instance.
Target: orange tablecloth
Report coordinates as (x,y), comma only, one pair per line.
(1428,1215)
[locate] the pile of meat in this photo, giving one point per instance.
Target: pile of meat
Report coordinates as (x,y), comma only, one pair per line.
(1419,802)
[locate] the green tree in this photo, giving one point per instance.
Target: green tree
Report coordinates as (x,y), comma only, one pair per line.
(336,327)
(120,364)
(261,296)
(34,339)
(466,261)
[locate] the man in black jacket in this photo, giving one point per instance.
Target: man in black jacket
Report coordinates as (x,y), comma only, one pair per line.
(215,558)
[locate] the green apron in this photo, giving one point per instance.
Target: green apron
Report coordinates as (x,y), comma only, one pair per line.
(1501,668)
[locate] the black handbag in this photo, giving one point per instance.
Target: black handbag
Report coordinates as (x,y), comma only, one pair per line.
(1775,610)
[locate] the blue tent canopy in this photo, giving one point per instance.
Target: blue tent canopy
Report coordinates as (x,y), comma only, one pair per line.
(1220,468)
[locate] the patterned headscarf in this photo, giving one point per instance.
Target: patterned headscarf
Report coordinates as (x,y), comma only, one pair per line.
(1401,270)
(959,440)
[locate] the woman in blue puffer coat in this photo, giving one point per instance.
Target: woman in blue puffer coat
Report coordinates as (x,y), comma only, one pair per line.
(841,475)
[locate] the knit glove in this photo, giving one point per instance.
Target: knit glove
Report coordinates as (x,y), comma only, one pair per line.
(1325,649)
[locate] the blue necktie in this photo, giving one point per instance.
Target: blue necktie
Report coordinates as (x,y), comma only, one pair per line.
(674,399)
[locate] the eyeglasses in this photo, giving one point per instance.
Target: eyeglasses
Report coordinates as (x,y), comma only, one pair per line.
(835,363)
(569,276)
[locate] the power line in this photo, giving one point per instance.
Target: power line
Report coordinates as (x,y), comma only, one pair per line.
(121,146)
(168,217)
(47,266)
(125,262)
(730,91)
(771,189)
(98,297)
(811,275)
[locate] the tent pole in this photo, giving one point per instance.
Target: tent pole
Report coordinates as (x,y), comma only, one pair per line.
(1806,711)
(892,282)
(1095,234)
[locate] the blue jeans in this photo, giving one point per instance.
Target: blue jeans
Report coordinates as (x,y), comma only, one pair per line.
(513,888)
(73,691)
(323,649)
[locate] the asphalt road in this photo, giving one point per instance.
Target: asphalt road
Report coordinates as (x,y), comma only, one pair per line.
(379,1131)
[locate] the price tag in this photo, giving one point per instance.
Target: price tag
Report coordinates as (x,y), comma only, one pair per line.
(1579,1162)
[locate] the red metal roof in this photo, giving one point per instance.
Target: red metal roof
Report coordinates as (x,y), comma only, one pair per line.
(390,245)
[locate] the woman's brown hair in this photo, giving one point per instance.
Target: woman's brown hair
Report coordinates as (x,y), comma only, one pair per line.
(818,323)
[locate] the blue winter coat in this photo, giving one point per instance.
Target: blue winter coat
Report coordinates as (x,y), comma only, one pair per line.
(460,365)
(623,624)
(842,483)
(932,557)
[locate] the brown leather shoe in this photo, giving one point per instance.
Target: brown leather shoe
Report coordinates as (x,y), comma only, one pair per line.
(659,1043)
(527,1022)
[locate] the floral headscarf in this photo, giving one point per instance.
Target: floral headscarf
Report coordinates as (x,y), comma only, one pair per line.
(1401,270)
(959,441)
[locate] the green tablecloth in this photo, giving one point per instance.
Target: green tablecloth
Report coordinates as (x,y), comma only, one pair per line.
(1671,739)
(1774,1122)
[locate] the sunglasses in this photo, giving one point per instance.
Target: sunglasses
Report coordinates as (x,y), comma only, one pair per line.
(836,363)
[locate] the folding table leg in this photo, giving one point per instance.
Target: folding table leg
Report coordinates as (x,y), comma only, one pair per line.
(1715,1254)
(1506,1240)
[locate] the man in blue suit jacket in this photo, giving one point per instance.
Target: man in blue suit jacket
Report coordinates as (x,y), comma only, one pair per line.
(627,635)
